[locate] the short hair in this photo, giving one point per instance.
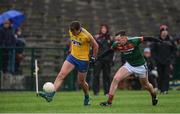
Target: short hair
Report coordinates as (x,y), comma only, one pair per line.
(121,33)
(75,25)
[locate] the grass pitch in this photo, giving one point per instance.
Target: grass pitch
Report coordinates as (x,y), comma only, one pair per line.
(72,102)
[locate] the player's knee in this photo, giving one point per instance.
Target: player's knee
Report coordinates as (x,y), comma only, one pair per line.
(145,85)
(81,82)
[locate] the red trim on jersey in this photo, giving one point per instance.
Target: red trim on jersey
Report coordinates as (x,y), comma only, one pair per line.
(125,47)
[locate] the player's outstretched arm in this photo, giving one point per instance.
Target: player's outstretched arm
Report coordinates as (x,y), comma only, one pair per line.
(151,39)
(109,51)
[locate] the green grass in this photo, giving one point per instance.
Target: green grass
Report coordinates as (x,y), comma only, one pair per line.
(69,102)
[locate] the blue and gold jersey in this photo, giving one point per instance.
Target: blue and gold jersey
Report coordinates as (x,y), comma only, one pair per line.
(80,45)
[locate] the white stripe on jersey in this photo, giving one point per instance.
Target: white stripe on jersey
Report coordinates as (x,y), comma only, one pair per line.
(131,38)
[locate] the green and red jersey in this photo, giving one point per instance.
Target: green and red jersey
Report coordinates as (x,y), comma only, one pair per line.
(131,51)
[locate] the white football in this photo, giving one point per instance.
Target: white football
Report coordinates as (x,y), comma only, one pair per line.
(48,87)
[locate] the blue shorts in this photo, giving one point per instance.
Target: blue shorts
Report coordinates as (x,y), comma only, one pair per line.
(80,65)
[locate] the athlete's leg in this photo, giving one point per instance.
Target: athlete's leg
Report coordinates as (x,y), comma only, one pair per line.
(65,70)
(120,75)
(148,86)
(82,82)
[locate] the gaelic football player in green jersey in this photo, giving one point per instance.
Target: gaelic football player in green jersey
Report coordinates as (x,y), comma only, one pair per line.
(135,64)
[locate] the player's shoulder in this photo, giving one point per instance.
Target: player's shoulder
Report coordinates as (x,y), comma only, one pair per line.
(85,31)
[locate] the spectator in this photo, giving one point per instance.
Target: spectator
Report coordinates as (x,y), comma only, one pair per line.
(164,54)
(104,40)
(20,44)
(152,70)
(7,42)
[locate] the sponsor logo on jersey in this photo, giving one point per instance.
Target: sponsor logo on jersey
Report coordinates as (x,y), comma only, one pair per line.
(77,43)
(126,48)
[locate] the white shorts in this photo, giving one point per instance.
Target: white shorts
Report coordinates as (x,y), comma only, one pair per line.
(139,71)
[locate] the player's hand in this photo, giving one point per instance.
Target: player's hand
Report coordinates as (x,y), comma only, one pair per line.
(92,61)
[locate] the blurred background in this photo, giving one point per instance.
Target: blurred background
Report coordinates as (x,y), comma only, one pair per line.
(44,36)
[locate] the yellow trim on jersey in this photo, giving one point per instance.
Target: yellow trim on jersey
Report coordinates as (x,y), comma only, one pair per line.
(80,45)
